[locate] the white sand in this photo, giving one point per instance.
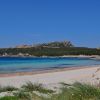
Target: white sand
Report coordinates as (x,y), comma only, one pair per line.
(89,75)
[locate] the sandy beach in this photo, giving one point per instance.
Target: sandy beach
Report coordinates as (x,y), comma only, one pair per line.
(52,78)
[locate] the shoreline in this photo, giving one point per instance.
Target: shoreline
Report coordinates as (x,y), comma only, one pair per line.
(52,78)
(44,71)
(50,70)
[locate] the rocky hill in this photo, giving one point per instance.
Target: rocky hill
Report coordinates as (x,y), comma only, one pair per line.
(56,44)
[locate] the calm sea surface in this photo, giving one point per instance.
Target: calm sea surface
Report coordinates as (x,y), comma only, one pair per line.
(23,64)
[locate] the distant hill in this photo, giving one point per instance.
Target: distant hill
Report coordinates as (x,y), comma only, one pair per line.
(56,48)
(56,44)
(23,46)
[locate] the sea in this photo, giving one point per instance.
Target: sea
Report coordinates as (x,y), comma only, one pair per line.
(27,64)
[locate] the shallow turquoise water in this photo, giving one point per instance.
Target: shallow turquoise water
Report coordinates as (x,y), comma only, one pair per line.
(19,64)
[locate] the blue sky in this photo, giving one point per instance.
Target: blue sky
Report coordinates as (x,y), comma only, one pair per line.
(36,21)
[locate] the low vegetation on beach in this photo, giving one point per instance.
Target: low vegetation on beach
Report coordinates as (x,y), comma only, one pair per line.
(29,91)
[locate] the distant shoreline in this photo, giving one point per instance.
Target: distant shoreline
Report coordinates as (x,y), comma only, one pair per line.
(81,56)
(95,57)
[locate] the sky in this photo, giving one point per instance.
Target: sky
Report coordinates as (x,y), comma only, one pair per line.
(39,21)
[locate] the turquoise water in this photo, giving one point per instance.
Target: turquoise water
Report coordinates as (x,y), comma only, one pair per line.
(20,64)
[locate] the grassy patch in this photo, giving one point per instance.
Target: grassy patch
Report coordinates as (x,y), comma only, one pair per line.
(9,98)
(36,87)
(22,95)
(7,88)
(76,91)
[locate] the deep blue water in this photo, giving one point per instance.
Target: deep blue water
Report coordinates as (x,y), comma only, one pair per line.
(19,64)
